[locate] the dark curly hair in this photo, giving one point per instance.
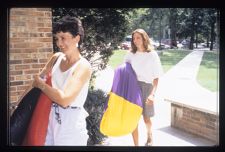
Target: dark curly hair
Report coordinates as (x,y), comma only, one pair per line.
(69,24)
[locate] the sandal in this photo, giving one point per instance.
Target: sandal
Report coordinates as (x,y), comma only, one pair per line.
(149,140)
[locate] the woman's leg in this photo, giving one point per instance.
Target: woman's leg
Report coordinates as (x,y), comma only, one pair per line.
(135,136)
(148,124)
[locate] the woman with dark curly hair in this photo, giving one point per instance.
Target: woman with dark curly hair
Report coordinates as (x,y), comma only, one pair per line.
(70,80)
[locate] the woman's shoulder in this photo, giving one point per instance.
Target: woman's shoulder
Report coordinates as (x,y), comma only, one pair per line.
(84,63)
(57,54)
(129,53)
(83,67)
(153,52)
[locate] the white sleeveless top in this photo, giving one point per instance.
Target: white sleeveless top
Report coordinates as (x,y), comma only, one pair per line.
(59,81)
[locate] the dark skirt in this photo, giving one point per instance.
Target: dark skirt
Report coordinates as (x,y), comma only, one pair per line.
(148,110)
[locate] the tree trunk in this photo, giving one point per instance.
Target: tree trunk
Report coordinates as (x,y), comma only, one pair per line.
(173,18)
(192,35)
(212,36)
(207,41)
(218,30)
(160,33)
(196,38)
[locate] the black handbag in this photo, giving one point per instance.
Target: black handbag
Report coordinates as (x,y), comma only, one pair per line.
(20,119)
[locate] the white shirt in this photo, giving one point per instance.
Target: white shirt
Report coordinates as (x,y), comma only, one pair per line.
(146,65)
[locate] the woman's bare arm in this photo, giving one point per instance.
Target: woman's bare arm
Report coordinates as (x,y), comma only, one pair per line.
(81,75)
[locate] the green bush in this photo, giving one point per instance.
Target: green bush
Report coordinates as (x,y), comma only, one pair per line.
(94,105)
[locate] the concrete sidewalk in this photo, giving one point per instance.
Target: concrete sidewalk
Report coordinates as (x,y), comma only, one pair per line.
(180,84)
(183,75)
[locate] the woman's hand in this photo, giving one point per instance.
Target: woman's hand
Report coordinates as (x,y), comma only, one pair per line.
(150,100)
(38,82)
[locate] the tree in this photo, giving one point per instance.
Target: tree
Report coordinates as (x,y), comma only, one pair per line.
(195,23)
(173,26)
(156,19)
(212,18)
(138,19)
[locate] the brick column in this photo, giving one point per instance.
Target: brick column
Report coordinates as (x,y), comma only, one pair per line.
(30,47)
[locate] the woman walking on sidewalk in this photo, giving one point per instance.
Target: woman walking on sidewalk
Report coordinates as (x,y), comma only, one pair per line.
(147,66)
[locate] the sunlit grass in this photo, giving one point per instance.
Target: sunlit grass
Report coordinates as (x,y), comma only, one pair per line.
(171,57)
(208,75)
(208,70)
(117,58)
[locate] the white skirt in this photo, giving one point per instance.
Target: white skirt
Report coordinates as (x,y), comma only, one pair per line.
(67,127)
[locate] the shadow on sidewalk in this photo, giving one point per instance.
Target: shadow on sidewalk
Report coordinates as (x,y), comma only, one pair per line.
(182,138)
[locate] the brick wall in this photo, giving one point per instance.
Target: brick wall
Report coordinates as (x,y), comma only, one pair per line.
(30,46)
(195,121)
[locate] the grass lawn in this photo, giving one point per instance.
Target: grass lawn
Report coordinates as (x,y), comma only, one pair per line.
(208,71)
(168,58)
(117,58)
(171,57)
(208,75)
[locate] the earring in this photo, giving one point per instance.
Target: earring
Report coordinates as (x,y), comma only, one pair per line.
(77,45)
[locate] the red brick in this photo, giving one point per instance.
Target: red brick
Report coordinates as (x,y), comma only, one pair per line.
(40,25)
(15,72)
(45,50)
(31,71)
(48,14)
(22,87)
(48,34)
(29,50)
(35,45)
(15,61)
(39,13)
(11,78)
(20,45)
(44,9)
(30,60)
(45,39)
(14,51)
(16,40)
(14,83)
(18,12)
(37,34)
(24,34)
(23,77)
(22,67)
(27,25)
(28,82)
(13,88)
(200,123)
(43,61)
(44,29)
(13,98)
(38,65)
(20,56)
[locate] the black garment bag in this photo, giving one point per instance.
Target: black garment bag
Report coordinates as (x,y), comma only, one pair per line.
(20,119)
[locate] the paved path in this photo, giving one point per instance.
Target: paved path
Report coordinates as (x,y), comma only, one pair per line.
(180,84)
(182,78)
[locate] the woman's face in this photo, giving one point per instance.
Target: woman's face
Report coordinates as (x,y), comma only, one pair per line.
(66,41)
(138,41)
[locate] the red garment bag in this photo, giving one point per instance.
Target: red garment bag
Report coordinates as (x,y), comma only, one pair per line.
(37,130)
